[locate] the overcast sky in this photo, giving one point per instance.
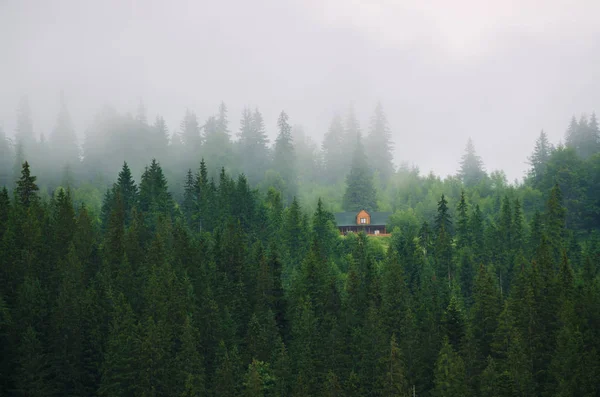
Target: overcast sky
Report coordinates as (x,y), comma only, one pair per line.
(496,70)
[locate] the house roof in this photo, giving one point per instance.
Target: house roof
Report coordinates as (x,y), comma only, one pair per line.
(349,218)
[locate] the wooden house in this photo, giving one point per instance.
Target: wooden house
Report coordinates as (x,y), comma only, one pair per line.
(374,223)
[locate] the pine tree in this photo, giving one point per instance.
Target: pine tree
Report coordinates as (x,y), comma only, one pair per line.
(154,196)
(485,310)
(67,327)
(190,197)
(6,159)
(4,211)
(554,221)
(129,192)
(379,145)
(393,379)
(443,245)
(539,159)
(284,160)
(253,141)
(450,379)
(218,148)
(24,134)
(333,151)
(471,167)
(360,191)
(33,372)
(453,323)
(63,140)
(118,372)
(26,188)
(324,232)
(159,139)
(463,229)
(190,134)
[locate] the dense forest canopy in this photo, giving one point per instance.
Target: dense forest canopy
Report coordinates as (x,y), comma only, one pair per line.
(206,261)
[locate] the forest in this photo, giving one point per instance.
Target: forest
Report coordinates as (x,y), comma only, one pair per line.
(206,262)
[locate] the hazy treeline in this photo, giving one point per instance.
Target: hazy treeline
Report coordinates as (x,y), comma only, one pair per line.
(292,158)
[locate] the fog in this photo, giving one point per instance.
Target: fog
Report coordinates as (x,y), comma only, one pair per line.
(444,71)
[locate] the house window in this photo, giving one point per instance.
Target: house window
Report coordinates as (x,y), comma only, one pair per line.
(363,221)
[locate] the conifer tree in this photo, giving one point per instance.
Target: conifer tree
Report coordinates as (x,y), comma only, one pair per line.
(323,230)
(539,159)
(471,167)
(159,139)
(443,245)
(449,373)
(463,229)
(33,372)
(393,379)
(253,141)
(379,145)
(554,221)
(63,140)
(118,371)
(190,197)
(333,151)
(190,133)
(6,160)
(284,160)
(485,310)
(26,188)
(360,191)
(154,196)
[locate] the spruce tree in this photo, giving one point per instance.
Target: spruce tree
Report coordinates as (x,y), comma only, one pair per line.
(63,140)
(26,190)
(471,169)
(379,145)
(333,151)
(6,160)
(539,159)
(284,156)
(463,229)
(360,191)
(450,378)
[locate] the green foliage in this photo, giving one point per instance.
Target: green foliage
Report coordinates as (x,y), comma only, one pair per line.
(360,191)
(205,286)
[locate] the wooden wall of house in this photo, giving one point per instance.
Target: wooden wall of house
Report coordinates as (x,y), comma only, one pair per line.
(363,214)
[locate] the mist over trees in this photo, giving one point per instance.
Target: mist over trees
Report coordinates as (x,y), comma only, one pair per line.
(202,261)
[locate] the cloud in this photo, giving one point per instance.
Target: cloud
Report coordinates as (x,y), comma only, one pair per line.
(461,28)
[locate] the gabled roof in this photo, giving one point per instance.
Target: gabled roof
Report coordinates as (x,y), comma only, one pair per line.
(349,218)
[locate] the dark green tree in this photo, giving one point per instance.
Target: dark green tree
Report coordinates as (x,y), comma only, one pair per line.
(539,159)
(26,190)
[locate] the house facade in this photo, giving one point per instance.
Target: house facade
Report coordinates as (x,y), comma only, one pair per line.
(373,223)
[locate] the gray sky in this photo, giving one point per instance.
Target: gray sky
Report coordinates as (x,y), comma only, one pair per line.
(498,71)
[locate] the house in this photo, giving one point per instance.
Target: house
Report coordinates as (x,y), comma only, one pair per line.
(369,222)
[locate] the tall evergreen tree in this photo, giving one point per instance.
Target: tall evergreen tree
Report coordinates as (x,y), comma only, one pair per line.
(26,190)
(471,167)
(284,160)
(360,191)
(253,141)
(333,148)
(539,158)
(450,378)
(6,160)
(379,145)
(63,140)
